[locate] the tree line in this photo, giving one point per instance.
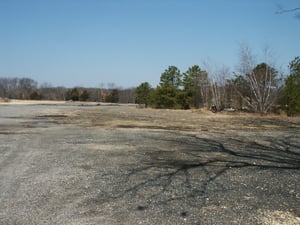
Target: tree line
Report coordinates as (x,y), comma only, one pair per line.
(258,88)
(28,89)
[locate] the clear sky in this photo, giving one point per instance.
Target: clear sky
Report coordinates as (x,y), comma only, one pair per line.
(126,42)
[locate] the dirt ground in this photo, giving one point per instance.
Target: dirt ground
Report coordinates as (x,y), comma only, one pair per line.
(88,163)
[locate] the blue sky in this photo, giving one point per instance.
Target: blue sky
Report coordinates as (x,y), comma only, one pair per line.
(126,42)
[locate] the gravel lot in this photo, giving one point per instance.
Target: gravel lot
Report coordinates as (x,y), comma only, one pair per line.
(109,164)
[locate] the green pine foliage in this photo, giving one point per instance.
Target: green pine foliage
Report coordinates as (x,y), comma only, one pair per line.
(167,94)
(72,95)
(144,94)
(113,97)
(292,88)
(195,83)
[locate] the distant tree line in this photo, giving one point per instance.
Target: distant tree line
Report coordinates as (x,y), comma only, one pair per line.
(17,88)
(28,89)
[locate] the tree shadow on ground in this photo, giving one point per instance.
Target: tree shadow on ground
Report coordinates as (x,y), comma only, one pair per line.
(190,166)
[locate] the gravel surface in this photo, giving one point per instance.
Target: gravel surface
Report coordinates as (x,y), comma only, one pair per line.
(109,164)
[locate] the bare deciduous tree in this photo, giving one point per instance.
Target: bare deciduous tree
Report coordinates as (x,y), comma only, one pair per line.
(262,79)
(217,77)
(17,87)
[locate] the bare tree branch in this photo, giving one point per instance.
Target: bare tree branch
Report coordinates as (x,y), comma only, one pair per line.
(262,80)
(281,11)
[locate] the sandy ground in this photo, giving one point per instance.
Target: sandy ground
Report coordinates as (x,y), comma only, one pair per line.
(85,163)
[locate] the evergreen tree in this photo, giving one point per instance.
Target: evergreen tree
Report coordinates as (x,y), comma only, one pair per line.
(167,93)
(113,97)
(292,88)
(195,83)
(144,94)
(73,95)
(171,77)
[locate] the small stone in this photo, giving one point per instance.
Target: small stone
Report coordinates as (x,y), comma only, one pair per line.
(141,208)
(183,214)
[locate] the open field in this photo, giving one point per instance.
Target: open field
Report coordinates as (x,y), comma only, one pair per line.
(77,163)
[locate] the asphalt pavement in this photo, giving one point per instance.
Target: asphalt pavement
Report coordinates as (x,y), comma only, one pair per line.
(53,171)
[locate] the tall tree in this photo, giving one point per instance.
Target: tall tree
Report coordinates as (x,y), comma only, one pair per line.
(263,81)
(218,87)
(195,83)
(241,90)
(292,88)
(171,77)
(168,92)
(143,94)
(166,97)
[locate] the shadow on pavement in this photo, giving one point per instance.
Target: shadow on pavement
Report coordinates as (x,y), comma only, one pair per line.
(197,168)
